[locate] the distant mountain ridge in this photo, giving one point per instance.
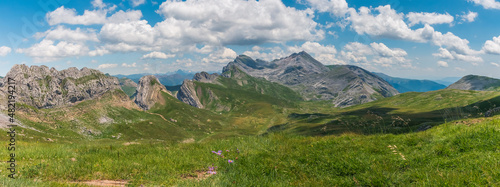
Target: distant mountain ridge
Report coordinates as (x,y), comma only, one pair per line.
(411,85)
(167,79)
(476,82)
(343,84)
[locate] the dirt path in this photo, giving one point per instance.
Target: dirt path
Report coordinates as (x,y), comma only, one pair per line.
(103,183)
(158,115)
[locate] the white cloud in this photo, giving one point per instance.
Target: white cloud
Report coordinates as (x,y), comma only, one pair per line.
(158,55)
(428,18)
(323,53)
(492,46)
(459,69)
(337,7)
(442,64)
(388,23)
(452,55)
(495,64)
(98,52)
(468,17)
(385,51)
(65,34)
(374,54)
(47,50)
(4,50)
(125,16)
(487,4)
(266,54)
(64,15)
(137,2)
(236,22)
(221,56)
(98,4)
(134,32)
(133,65)
(105,66)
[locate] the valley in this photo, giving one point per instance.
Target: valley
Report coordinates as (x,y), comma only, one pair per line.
(332,125)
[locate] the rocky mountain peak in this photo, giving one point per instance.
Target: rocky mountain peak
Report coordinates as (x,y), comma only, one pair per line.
(206,77)
(44,87)
(149,92)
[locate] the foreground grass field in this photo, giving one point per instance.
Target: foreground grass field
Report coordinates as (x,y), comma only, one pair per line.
(457,153)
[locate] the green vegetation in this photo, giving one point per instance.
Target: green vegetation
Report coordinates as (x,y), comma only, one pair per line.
(129,90)
(448,155)
(282,140)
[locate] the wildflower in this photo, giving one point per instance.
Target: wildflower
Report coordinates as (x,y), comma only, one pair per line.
(227,150)
(230,161)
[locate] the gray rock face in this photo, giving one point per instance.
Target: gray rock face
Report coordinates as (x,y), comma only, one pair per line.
(475,82)
(188,94)
(206,78)
(42,87)
(149,92)
(344,85)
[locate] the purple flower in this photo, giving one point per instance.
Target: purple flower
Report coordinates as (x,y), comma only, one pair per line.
(229,161)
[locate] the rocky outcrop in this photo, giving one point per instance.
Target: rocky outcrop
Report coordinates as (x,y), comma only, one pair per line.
(342,84)
(42,87)
(188,94)
(149,92)
(475,82)
(206,77)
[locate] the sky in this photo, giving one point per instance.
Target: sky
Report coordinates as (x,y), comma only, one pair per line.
(421,39)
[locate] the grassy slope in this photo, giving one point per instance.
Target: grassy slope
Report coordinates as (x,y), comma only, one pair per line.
(398,114)
(456,154)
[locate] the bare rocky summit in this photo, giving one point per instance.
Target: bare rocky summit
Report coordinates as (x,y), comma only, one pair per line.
(42,87)
(149,92)
(188,94)
(344,85)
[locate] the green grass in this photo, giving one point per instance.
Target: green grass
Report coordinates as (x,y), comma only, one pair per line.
(447,155)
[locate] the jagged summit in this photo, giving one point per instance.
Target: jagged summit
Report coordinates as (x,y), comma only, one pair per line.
(344,85)
(149,92)
(44,87)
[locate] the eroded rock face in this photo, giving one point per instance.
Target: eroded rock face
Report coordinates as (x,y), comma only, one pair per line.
(42,87)
(342,84)
(149,92)
(188,94)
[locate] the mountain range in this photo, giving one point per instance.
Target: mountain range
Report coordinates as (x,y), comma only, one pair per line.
(411,85)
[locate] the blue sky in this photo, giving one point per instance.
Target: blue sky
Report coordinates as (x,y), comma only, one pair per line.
(425,39)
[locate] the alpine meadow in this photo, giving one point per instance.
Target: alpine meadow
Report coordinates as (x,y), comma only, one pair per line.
(250,93)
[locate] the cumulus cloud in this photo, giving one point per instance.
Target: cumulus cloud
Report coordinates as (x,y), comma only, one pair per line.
(336,7)
(66,15)
(374,54)
(4,50)
(158,55)
(492,46)
(487,4)
(428,18)
(65,34)
(133,65)
(237,22)
(468,17)
(442,64)
(98,4)
(323,53)
(47,50)
(105,66)
(221,56)
(452,55)
(137,2)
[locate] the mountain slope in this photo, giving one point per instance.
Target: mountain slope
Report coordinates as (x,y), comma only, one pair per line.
(476,82)
(149,92)
(411,85)
(343,85)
